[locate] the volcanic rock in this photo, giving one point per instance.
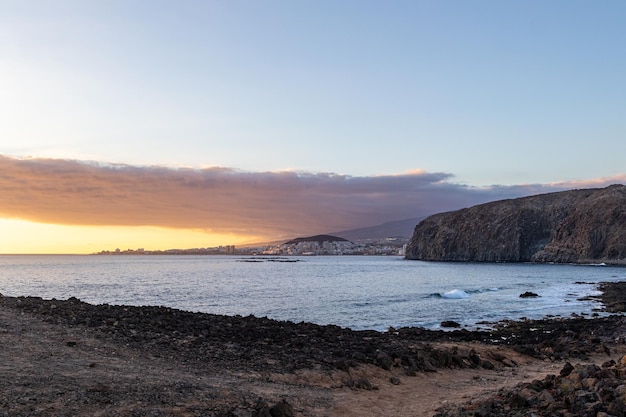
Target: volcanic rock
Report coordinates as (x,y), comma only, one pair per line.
(578,226)
(599,393)
(529,294)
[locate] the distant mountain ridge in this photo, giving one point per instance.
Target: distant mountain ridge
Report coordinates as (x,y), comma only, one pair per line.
(395,229)
(578,226)
(402,229)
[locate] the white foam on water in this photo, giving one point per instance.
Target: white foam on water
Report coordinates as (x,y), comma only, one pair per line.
(455,294)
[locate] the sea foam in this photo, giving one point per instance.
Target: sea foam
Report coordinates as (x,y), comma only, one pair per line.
(455,294)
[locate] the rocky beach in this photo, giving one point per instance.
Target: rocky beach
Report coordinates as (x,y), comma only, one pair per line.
(70,358)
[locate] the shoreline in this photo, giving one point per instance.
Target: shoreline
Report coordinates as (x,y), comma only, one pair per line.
(275,357)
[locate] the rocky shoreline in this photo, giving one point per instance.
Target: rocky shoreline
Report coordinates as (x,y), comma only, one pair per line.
(262,344)
(235,345)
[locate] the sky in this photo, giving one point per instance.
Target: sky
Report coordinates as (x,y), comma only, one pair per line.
(198,123)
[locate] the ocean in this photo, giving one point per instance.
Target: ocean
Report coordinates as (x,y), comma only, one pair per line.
(359,292)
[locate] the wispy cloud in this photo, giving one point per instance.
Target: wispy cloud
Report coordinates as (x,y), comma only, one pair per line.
(225,200)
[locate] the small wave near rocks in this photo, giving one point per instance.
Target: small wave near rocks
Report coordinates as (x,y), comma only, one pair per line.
(458,294)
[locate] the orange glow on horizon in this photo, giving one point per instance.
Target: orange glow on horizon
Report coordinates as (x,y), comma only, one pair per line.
(24,237)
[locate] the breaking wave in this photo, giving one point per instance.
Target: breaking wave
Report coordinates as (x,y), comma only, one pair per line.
(455,294)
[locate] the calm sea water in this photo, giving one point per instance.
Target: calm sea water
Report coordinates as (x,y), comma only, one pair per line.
(359,292)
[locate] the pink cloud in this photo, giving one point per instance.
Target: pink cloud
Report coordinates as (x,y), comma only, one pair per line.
(225,200)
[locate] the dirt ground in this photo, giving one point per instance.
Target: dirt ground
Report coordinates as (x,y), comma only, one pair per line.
(58,370)
(52,370)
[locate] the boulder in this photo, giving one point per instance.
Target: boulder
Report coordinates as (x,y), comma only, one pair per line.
(529,294)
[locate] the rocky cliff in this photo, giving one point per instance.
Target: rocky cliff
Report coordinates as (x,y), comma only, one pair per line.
(577,226)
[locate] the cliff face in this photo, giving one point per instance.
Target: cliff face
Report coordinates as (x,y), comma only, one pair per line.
(569,226)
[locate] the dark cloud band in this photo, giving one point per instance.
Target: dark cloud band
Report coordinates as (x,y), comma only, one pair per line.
(225,200)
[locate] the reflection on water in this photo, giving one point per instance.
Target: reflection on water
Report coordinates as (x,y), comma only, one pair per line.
(361,292)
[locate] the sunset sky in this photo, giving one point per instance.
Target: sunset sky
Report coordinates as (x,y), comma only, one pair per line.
(163,124)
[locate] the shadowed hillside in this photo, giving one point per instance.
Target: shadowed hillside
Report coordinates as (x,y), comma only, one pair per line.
(576,226)
(396,229)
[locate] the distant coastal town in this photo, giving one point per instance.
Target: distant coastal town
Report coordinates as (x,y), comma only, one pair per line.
(322,245)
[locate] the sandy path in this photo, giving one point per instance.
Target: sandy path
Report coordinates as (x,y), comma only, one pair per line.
(423,394)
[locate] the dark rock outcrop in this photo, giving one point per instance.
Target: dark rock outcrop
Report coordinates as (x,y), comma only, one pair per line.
(579,390)
(577,226)
(529,294)
(450,323)
(317,238)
